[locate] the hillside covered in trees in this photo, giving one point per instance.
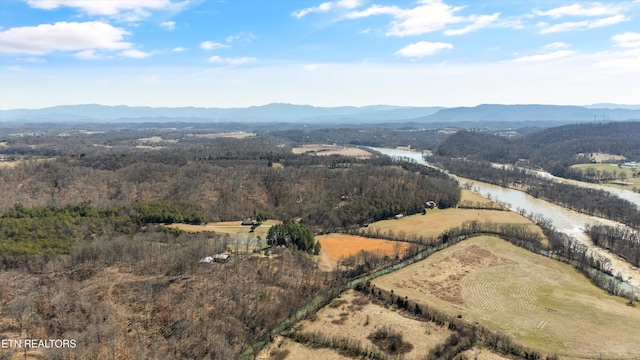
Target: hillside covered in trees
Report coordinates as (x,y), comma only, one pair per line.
(553,149)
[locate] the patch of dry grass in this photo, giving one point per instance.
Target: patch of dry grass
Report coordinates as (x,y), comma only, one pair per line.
(232,134)
(356,318)
(541,303)
(436,221)
(326,150)
(228,227)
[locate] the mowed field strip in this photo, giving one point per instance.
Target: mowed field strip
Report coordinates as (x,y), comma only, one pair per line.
(541,303)
(436,221)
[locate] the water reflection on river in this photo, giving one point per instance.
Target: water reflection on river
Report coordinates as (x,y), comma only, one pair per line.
(568,221)
(563,219)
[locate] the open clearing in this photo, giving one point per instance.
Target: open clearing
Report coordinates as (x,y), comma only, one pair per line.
(353,316)
(436,221)
(628,183)
(469,198)
(233,134)
(228,227)
(14,163)
(541,303)
(337,246)
(602,157)
(326,150)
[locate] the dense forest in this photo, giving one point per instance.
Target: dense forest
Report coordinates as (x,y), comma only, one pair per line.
(230,180)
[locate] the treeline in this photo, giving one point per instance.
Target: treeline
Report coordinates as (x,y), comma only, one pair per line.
(590,201)
(618,240)
(597,176)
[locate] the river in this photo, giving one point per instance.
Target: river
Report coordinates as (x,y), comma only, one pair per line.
(568,221)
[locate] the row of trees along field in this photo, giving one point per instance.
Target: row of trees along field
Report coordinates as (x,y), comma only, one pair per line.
(598,175)
(590,201)
(621,241)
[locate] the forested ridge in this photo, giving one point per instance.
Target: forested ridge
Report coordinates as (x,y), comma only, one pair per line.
(553,149)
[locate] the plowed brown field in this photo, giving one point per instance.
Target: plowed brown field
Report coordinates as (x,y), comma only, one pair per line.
(336,246)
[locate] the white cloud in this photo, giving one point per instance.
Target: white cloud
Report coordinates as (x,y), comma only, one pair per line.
(314,67)
(16,68)
(210,45)
(429,16)
(479,22)
(582,25)
(627,40)
(328,6)
(423,48)
(126,10)
(231,61)
(244,36)
(134,54)
(556,45)
(596,9)
(62,36)
(546,57)
(179,49)
(88,55)
(169,25)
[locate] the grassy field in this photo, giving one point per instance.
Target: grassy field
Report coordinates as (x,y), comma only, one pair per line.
(540,303)
(337,246)
(602,157)
(630,181)
(228,227)
(469,198)
(326,150)
(232,134)
(436,221)
(353,316)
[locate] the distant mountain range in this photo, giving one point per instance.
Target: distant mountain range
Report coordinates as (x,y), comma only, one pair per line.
(312,114)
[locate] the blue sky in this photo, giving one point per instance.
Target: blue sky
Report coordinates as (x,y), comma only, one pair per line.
(237,53)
